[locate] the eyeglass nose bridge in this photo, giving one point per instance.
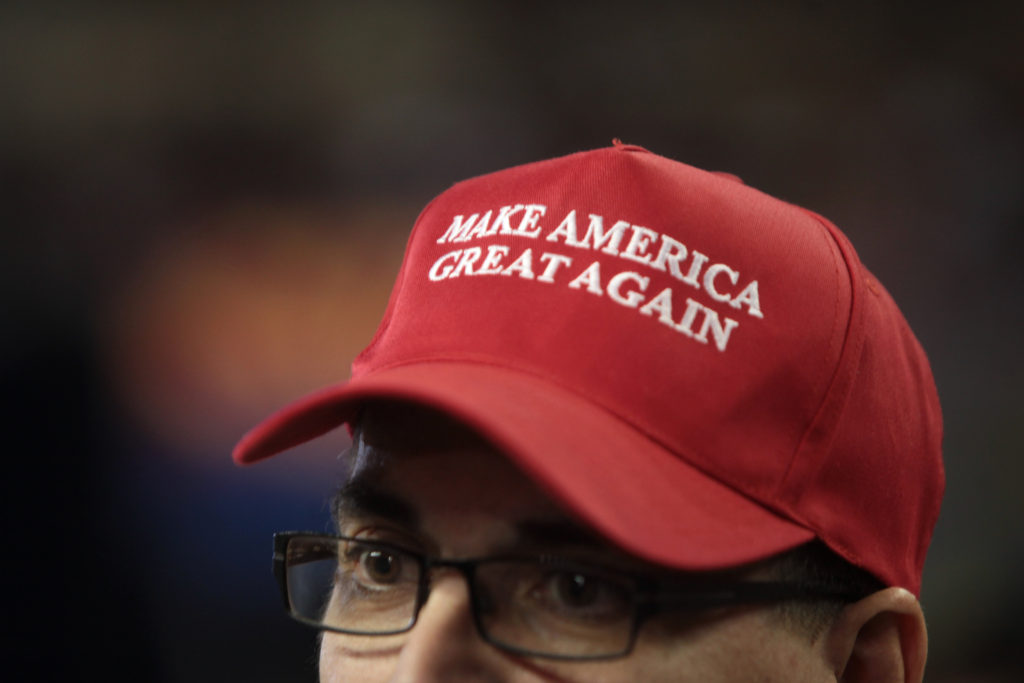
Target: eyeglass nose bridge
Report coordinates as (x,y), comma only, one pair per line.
(467,568)
(479,601)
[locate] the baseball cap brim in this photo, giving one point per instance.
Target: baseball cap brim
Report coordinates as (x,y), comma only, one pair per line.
(642,497)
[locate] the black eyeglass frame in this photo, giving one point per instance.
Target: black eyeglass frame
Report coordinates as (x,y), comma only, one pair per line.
(648,596)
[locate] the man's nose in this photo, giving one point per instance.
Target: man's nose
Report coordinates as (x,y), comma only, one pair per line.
(444,645)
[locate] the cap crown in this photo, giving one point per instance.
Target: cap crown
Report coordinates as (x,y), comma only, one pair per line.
(736,330)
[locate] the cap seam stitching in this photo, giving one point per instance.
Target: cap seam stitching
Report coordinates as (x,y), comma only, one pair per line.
(833,247)
(801,518)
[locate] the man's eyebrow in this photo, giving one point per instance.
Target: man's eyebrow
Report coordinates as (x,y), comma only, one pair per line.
(361,499)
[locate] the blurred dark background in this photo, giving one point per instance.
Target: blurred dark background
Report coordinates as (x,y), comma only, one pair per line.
(204,205)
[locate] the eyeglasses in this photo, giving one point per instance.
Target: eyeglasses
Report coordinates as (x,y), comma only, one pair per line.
(535,606)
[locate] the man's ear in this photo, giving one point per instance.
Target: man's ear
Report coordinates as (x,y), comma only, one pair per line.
(880,639)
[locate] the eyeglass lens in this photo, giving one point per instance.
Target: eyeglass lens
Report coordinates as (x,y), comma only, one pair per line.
(531,606)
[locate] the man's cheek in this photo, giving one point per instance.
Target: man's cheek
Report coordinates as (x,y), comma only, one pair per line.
(341,662)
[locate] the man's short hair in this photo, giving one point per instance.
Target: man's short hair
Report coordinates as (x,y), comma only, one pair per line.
(815,565)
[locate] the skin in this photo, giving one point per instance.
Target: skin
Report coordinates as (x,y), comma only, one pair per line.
(466,500)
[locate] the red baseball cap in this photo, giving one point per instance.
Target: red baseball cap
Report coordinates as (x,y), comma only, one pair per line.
(706,374)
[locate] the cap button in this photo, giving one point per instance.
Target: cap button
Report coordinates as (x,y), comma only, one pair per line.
(728,176)
(621,146)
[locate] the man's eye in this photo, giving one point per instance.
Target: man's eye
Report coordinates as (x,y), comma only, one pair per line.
(375,567)
(575,590)
(581,595)
(380,566)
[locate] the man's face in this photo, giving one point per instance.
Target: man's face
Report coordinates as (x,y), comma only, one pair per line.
(455,497)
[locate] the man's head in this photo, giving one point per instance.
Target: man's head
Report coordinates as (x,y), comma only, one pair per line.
(701,379)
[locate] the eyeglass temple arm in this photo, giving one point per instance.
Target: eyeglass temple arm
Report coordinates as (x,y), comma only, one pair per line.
(752,592)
